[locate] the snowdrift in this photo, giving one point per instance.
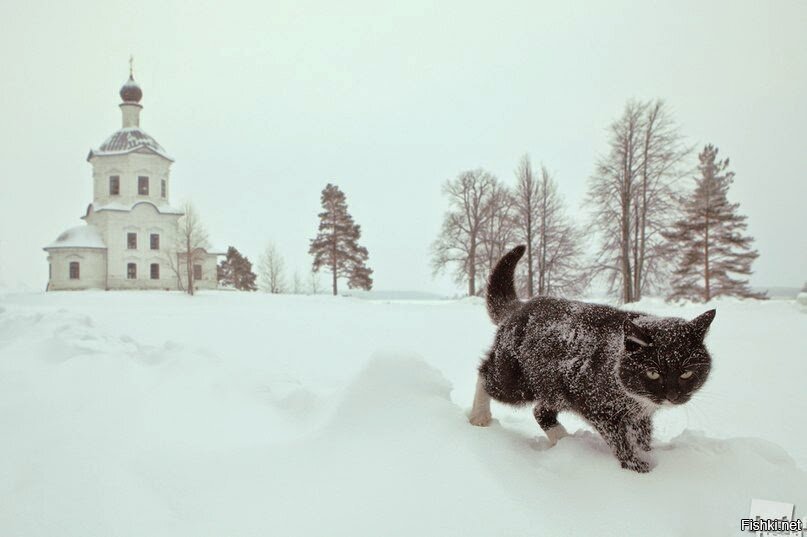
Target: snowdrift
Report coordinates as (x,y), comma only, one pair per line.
(206,418)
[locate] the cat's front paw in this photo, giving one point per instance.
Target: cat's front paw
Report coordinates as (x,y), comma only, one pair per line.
(480,419)
(637,465)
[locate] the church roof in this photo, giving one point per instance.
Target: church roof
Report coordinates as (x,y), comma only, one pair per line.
(128,140)
(85,236)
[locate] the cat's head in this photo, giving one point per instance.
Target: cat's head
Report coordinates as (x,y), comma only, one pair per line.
(665,359)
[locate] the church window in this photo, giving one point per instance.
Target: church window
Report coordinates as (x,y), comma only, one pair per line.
(197,272)
(155,241)
(74,271)
(143,185)
(155,271)
(162,188)
(131,241)
(114,185)
(131,271)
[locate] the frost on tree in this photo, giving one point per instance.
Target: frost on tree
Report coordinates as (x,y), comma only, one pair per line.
(714,252)
(336,246)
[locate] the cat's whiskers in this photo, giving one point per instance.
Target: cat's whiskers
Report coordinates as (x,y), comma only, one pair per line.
(709,396)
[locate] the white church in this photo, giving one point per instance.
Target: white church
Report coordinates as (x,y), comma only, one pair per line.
(130,231)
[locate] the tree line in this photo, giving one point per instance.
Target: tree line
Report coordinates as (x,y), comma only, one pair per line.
(334,249)
(645,231)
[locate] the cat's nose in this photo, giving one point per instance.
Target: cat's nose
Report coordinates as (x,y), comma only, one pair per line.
(673,396)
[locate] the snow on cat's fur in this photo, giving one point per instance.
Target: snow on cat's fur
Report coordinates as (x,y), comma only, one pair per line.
(614,368)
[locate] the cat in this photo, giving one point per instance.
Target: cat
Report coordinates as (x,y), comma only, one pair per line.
(614,368)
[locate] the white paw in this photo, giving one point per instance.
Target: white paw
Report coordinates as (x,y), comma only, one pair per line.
(556,433)
(480,419)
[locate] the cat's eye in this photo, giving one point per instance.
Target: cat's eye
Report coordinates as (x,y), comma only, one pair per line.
(652,374)
(686,374)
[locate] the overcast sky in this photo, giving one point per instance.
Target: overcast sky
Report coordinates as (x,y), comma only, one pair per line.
(262,103)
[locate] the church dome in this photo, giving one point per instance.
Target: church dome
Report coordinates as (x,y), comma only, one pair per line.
(130,92)
(128,140)
(85,236)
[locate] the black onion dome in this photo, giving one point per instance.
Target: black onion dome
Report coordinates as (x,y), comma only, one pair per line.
(130,92)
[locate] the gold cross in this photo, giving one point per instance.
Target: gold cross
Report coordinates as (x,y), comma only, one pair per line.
(131,66)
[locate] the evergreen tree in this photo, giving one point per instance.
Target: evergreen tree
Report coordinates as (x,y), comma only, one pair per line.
(709,238)
(336,246)
(236,271)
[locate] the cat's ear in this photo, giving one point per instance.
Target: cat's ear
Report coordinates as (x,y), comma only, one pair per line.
(700,324)
(636,338)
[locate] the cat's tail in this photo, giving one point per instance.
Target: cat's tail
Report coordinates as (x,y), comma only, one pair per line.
(501,292)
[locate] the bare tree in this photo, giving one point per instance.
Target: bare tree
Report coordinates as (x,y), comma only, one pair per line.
(554,263)
(470,208)
(272,270)
(632,195)
(296,283)
(558,254)
(314,284)
(525,205)
(190,247)
(498,234)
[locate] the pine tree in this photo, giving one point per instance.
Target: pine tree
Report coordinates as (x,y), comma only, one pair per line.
(236,271)
(336,246)
(709,239)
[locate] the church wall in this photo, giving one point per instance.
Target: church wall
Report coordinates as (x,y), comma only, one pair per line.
(143,220)
(99,220)
(92,268)
(209,279)
(129,167)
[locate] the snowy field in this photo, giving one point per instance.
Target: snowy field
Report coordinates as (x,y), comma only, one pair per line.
(134,414)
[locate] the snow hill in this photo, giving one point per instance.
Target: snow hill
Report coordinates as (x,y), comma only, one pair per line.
(126,413)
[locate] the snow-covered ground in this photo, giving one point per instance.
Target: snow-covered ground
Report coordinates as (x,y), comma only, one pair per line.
(245,414)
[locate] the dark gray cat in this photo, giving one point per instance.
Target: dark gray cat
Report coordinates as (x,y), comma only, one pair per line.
(614,368)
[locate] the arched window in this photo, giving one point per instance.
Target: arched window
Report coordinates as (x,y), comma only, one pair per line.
(74,270)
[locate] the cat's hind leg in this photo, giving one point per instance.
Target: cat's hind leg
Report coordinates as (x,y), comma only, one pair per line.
(547,418)
(480,412)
